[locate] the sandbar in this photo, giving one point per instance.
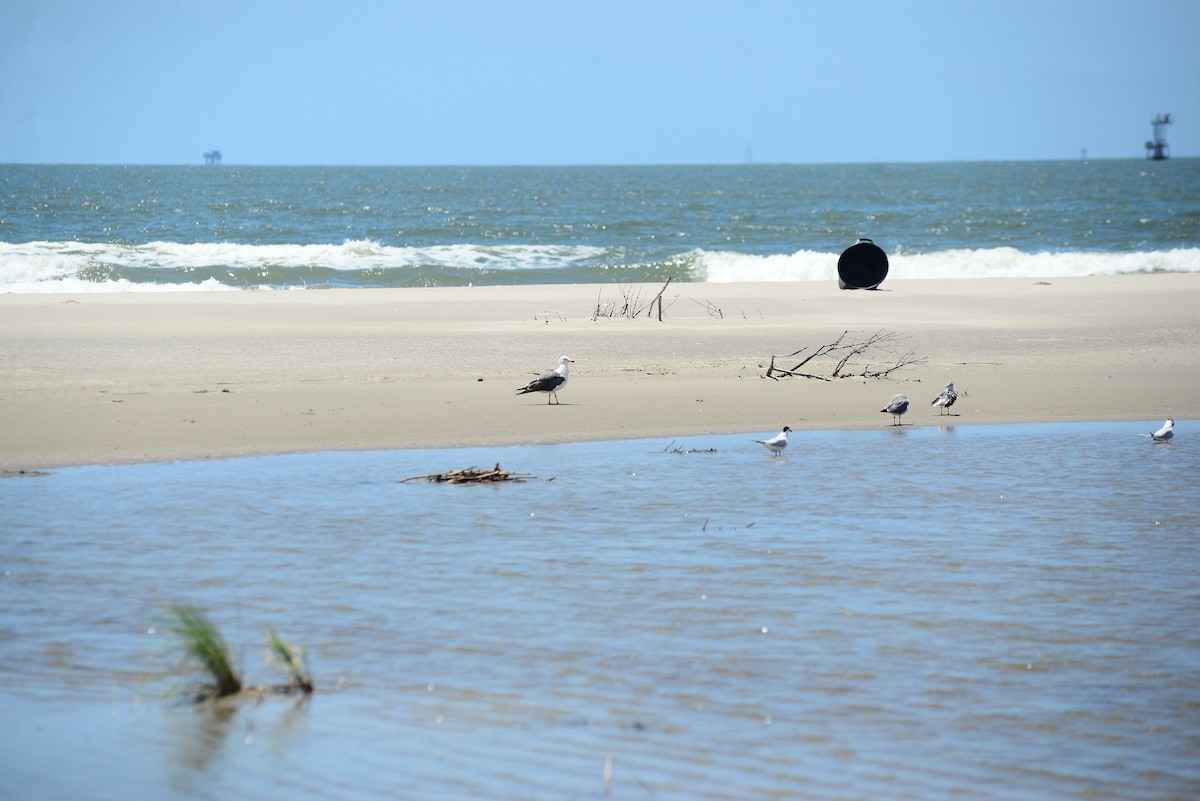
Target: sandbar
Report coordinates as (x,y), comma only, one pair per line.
(112,378)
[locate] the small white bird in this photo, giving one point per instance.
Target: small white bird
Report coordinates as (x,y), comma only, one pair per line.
(551,382)
(945,398)
(777,443)
(897,406)
(1165,433)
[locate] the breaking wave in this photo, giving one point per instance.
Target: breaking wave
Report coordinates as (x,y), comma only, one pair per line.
(77,267)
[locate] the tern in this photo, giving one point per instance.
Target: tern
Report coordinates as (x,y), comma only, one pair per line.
(777,443)
(1165,433)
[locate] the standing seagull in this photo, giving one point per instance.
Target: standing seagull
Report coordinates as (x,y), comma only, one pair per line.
(1165,433)
(946,399)
(777,443)
(897,406)
(550,383)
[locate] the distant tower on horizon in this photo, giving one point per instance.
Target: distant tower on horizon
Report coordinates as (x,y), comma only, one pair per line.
(1158,149)
(212,157)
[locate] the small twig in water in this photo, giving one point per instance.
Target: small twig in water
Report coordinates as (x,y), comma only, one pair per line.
(684,450)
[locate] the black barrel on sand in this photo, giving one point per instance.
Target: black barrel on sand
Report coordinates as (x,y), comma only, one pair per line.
(863,265)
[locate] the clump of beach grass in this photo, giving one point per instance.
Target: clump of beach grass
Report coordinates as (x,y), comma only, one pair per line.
(205,649)
(292,661)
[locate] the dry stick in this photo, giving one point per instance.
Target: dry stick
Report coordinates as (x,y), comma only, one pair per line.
(821,350)
(837,371)
(904,361)
(879,337)
(713,309)
(773,369)
(658,297)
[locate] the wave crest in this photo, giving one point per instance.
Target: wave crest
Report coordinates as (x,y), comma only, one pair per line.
(808,265)
(158,266)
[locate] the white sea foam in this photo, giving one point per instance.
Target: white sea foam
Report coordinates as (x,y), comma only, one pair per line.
(175,266)
(95,267)
(350,255)
(808,265)
(79,286)
(359,255)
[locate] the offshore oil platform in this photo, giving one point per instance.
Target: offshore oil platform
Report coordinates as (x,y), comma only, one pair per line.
(1157,148)
(212,157)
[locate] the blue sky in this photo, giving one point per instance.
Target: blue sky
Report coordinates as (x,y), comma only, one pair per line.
(578,82)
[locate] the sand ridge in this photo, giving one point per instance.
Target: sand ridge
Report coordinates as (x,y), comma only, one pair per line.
(133,377)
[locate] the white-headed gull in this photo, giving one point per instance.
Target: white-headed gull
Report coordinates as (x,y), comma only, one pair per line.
(945,398)
(897,406)
(551,382)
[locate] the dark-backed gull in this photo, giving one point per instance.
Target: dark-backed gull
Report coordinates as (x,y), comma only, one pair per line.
(550,383)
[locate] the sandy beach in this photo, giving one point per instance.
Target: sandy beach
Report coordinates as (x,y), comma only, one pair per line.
(117,378)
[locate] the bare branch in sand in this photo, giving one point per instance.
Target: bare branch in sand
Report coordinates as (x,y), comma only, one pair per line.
(712,308)
(632,304)
(847,350)
(658,298)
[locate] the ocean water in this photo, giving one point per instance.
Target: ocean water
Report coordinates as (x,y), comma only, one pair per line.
(936,612)
(931,612)
(67,228)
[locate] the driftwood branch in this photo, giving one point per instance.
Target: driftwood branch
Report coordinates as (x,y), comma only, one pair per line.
(773,371)
(907,359)
(471,475)
(847,349)
(819,351)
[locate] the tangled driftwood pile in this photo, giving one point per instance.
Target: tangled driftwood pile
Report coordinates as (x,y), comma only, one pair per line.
(471,475)
(680,449)
(846,348)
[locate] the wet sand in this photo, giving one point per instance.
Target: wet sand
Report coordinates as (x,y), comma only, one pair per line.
(117,378)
